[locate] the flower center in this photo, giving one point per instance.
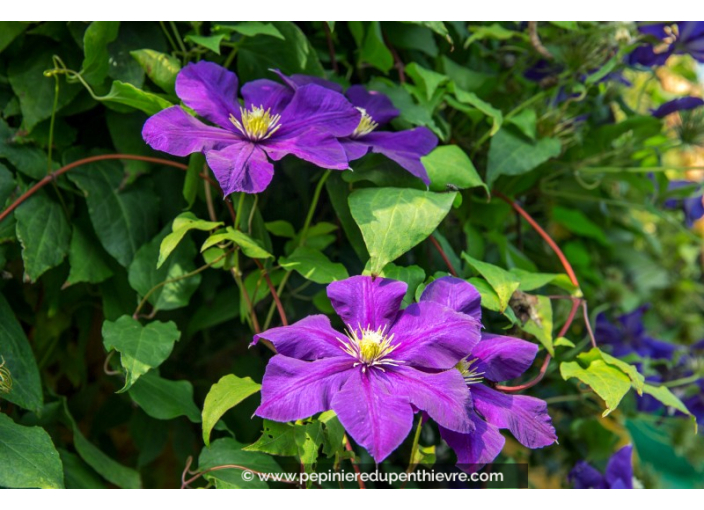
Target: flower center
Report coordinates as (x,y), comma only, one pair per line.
(470,374)
(366,124)
(672,32)
(370,347)
(257,123)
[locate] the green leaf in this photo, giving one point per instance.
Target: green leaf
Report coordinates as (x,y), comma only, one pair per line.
(30,160)
(210,42)
(95,46)
(106,467)
(160,67)
(281,228)
(308,439)
(44,233)
(251,28)
(88,261)
(250,247)
(576,222)
(511,154)
(128,95)
(413,276)
(7,183)
(539,323)
(333,434)
(18,359)
(471,99)
(637,379)
(567,25)
(163,399)
(77,474)
(607,381)
(503,282)
(277,439)
(144,275)
(123,219)
(493,31)
(141,348)
(313,265)
(180,226)
(9,30)
(436,26)
(664,395)
(192,182)
(428,81)
(373,51)
(228,451)
(450,165)
(526,121)
(28,458)
(394,220)
(229,391)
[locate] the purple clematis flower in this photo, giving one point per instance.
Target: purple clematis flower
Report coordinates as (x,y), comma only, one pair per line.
(404,147)
(618,475)
(676,38)
(628,336)
(495,358)
(386,366)
(272,123)
(676,105)
(693,206)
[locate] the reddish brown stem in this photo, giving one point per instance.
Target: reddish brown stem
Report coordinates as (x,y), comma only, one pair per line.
(274,294)
(52,176)
(443,255)
(331,47)
(348,447)
(185,483)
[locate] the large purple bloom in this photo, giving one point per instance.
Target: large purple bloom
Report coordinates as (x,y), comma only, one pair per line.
(677,105)
(678,38)
(272,123)
(628,336)
(404,147)
(388,364)
(618,475)
(495,358)
(692,206)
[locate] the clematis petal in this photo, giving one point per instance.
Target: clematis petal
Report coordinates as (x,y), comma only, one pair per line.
(677,105)
(376,418)
(211,90)
(584,476)
(404,147)
(354,148)
(299,80)
(313,106)
(476,449)
(293,389)
(363,301)
(455,293)
(377,105)
(433,336)
(502,357)
(312,145)
(526,417)
(308,339)
(267,94)
(175,132)
(620,468)
(241,167)
(443,395)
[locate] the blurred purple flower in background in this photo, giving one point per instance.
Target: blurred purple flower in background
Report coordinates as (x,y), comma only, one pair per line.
(627,335)
(618,474)
(673,38)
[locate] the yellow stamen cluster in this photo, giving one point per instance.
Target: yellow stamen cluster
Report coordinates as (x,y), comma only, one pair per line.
(366,124)
(471,376)
(672,32)
(257,123)
(370,347)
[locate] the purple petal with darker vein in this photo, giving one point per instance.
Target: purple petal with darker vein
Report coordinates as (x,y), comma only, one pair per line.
(313,106)
(299,80)
(376,104)
(376,418)
(433,336)
(526,417)
(476,449)
(444,395)
(502,358)
(241,167)
(312,145)
(267,94)
(455,293)
(211,90)
(405,148)
(293,389)
(175,132)
(354,149)
(583,476)
(308,339)
(366,302)
(620,468)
